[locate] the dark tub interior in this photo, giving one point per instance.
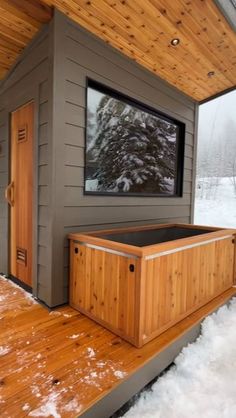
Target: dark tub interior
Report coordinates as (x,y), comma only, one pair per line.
(153,236)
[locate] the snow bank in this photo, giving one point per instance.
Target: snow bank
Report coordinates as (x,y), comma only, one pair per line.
(218,205)
(202,382)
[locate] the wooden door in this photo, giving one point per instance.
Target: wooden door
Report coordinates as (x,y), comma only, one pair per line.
(19,193)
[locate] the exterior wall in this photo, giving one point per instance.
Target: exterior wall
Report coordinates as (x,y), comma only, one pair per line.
(83,55)
(29,80)
(52,72)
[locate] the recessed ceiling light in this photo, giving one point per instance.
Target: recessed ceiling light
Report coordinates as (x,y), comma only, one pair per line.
(211,73)
(175,41)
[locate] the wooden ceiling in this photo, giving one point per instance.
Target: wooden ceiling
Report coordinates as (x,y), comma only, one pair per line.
(202,65)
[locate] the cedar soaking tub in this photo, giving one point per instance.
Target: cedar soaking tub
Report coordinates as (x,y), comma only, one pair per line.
(139,281)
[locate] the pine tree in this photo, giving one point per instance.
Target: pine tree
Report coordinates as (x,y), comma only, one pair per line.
(134,150)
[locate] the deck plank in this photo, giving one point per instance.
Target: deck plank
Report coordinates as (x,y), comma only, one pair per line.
(63,360)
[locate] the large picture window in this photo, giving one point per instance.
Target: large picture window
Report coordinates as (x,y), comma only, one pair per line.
(131,149)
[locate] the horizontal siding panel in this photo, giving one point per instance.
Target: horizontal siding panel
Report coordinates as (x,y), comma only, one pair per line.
(3,133)
(43,236)
(44,91)
(3,179)
(3,210)
(43,154)
(43,216)
(75,73)
(43,134)
(74,115)
(93,215)
(133,85)
(188,163)
(43,113)
(74,176)
(43,199)
(2,114)
(75,135)
(75,94)
(2,194)
(74,155)
(43,277)
(187,188)
(42,255)
(188,151)
(43,179)
(74,196)
(3,164)
(189,139)
(43,292)
(66,279)
(188,175)
(3,149)
(66,256)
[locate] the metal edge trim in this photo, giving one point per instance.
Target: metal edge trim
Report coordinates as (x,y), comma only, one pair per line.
(186,247)
(107,250)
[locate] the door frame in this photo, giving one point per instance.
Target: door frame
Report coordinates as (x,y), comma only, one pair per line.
(20,101)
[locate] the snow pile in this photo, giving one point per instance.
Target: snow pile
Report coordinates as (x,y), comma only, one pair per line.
(215,203)
(90,352)
(119,374)
(4,350)
(202,382)
(75,336)
(48,408)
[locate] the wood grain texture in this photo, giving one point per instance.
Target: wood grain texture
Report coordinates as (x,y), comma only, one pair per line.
(179,283)
(207,43)
(103,287)
(22,123)
(20,20)
(170,280)
(43,357)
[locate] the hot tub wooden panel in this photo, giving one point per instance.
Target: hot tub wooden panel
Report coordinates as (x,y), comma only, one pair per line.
(103,286)
(177,284)
(140,292)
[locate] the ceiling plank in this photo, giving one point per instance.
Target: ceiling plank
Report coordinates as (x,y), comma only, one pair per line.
(31,12)
(142,30)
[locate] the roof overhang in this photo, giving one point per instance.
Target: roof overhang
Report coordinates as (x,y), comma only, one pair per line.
(202,64)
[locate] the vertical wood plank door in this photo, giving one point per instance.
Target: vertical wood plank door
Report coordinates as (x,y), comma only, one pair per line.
(20,193)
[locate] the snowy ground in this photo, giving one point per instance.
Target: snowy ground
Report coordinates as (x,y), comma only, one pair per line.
(215,203)
(202,381)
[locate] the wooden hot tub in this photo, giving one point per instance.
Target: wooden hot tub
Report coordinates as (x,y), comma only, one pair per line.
(139,281)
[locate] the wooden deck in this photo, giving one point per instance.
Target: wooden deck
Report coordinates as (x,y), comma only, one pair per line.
(60,363)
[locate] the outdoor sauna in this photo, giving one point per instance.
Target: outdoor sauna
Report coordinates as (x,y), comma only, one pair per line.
(139,281)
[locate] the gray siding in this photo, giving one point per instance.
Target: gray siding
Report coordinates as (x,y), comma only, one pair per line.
(86,56)
(29,80)
(3,181)
(52,72)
